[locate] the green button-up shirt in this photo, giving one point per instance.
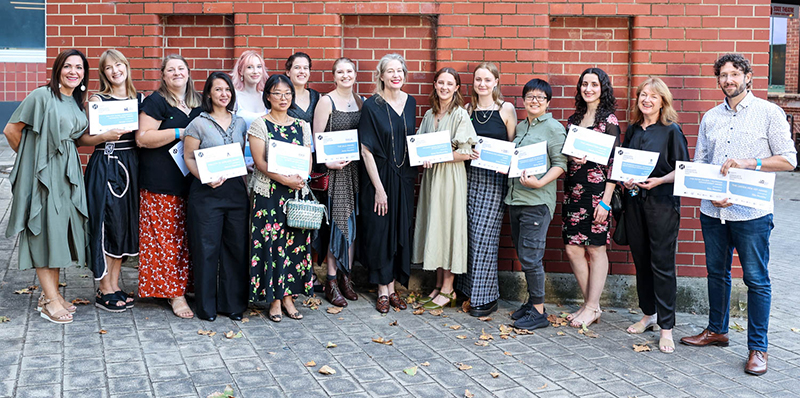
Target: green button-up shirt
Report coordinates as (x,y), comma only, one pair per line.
(543,128)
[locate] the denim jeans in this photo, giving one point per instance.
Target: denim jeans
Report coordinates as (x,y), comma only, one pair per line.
(751,240)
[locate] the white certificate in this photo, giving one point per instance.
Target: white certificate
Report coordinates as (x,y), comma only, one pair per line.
(224,161)
(288,159)
(530,158)
(594,145)
(431,147)
(742,187)
(633,164)
(110,115)
(494,154)
(336,146)
(248,156)
(177,155)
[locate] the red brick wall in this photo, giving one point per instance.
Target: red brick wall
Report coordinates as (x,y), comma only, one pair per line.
(792,55)
(17,79)
(632,39)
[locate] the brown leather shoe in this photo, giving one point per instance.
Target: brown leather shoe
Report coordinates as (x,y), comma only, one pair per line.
(346,286)
(706,338)
(382,305)
(756,363)
(333,294)
(397,302)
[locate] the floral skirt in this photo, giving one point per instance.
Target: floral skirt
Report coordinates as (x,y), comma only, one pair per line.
(280,256)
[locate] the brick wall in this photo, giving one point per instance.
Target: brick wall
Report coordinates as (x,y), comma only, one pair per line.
(17,79)
(632,39)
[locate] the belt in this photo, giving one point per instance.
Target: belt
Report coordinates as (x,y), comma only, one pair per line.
(110,147)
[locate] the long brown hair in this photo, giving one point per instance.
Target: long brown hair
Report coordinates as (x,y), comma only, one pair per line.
(55,77)
(105,85)
(458,99)
(191,96)
(667,115)
(496,95)
(333,70)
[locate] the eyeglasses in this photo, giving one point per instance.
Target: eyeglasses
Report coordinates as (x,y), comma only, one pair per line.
(539,98)
(281,95)
(730,76)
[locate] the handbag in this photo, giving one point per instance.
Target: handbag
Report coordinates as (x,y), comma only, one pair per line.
(319,181)
(304,214)
(620,236)
(616,203)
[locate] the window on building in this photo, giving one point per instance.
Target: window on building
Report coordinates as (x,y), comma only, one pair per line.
(783,48)
(22,38)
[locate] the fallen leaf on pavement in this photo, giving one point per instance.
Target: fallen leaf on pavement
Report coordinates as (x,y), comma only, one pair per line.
(334,310)
(461,337)
(231,335)
(463,366)
(426,363)
(507,353)
(523,331)
(84,276)
(437,312)
(326,370)
(254,313)
(796,330)
(271,353)
(418,311)
(393,323)
(494,374)
(455,327)
(468,394)
(482,343)
(396,309)
(103,331)
(641,347)
(311,364)
(611,311)
(563,314)
(561,333)
(245,320)
(543,387)
(465,306)
(208,333)
(312,302)
(381,340)
(632,311)
(588,332)
(227,393)
(4,319)
(485,318)
(27,290)
(737,327)
(80,301)
(410,371)
(556,321)
(330,345)
(485,336)
(62,284)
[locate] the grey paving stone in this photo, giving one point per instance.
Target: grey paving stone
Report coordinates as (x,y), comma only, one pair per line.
(7,388)
(340,385)
(369,374)
(175,388)
(430,390)
(39,391)
(298,382)
(265,392)
(39,362)
(286,368)
(253,380)
(85,381)
(123,355)
(165,373)
(384,389)
(163,358)
(312,393)
(83,351)
(35,377)
(204,362)
(126,385)
(212,377)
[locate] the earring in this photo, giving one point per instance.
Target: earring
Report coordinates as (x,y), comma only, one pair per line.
(83,88)
(59,85)
(242,78)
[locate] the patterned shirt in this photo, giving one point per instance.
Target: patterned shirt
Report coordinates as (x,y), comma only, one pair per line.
(755,129)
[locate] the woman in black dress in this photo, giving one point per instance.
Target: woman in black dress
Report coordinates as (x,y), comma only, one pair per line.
(298,68)
(386,199)
(112,188)
(587,196)
(653,216)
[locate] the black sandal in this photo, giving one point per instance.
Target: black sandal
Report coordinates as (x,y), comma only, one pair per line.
(275,317)
(124,297)
(108,302)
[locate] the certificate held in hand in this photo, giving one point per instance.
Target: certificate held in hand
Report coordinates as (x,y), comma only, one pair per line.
(110,115)
(594,145)
(633,164)
(337,146)
(288,159)
(431,147)
(530,158)
(742,187)
(224,161)
(494,154)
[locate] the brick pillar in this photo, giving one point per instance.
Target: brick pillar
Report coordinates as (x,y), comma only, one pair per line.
(792,54)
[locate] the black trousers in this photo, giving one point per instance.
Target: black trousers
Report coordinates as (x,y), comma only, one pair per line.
(652,227)
(529,226)
(217,223)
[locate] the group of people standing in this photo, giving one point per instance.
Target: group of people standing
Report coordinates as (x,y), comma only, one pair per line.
(211,238)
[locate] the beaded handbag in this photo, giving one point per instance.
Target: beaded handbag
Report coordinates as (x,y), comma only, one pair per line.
(304,214)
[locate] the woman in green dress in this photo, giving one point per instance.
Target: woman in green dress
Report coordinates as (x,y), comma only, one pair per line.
(48,209)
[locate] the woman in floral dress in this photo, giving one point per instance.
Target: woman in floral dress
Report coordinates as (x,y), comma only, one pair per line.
(280,262)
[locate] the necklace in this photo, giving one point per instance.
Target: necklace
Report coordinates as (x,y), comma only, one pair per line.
(483,113)
(273,120)
(391,134)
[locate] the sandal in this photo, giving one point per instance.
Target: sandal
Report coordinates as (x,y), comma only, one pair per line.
(60,316)
(429,298)
(180,306)
(595,318)
(275,317)
(575,314)
(71,308)
(665,345)
(296,315)
(639,327)
(124,297)
(108,302)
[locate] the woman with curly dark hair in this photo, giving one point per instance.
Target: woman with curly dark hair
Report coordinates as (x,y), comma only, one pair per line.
(587,196)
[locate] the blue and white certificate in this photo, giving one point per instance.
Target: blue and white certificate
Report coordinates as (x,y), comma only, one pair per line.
(742,187)
(177,155)
(110,115)
(248,156)
(430,147)
(633,164)
(530,158)
(594,145)
(337,146)
(494,154)
(224,161)
(288,159)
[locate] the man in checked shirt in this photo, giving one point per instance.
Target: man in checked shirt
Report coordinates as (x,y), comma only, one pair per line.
(749,133)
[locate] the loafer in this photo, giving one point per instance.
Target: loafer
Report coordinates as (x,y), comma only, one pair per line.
(483,309)
(236,316)
(756,363)
(397,302)
(706,337)
(211,318)
(382,305)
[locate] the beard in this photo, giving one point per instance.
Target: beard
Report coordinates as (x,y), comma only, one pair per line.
(740,88)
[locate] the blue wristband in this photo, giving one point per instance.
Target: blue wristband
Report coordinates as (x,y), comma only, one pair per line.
(758,164)
(604,206)
(177,133)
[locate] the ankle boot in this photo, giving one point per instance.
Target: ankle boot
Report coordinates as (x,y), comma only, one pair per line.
(346,286)
(333,294)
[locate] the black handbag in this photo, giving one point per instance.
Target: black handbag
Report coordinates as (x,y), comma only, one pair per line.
(620,236)
(616,203)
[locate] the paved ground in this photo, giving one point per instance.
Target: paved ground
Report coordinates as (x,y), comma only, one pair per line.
(148,352)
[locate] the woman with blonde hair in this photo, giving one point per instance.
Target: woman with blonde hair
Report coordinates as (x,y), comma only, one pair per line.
(248,76)
(112,187)
(440,234)
(652,213)
(493,118)
(164,269)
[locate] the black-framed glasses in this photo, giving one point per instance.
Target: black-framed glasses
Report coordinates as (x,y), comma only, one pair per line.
(281,95)
(538,98)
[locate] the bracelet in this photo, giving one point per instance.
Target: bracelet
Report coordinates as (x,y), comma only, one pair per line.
(177,133)
(604,206)
(758,164)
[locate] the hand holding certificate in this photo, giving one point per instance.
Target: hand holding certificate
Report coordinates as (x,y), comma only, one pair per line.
(633,164)
(337,146)
(595,146)
(288,159)
(494,154)
(224,161)
(742,187)
(530,158)
(177,155)
(111,115)
(431,147)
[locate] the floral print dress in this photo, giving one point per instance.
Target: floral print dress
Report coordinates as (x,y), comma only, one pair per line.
(280,262)
(583,189)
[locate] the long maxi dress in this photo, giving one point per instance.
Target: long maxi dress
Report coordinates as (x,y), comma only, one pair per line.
(386,240)
(48,209)
(440,232)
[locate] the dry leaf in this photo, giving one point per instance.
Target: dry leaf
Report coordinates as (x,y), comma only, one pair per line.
(340,318)
(507,353)
(461,337)
(523,331)
(271,352)
(468,394)
(632,311)
(463,366)
(641,347)
(418,311)
(396,309)
(231,335)
(62,284)
(437,312)
(312,303)
(610,311)
(4,319)
(563,314)
(505,330)
(393,323)
(245,320)
(737,327)
(311,364)
(543,387)
(561,333)
(326,370)
(412,298)
(84,276)
(455,327)
(103,331)
(494,374)
(485,318)
(208,333)
(588,333)
(80,301)
(227,393)
(254,312)
(485,336)
(330,345)
(334,310)
(410,371)
(556,321)
(381,340)
(482,343)
(426,363)
(796,330)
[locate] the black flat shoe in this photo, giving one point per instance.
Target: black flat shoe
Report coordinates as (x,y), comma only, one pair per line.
(210,319)
(235,316)
(483,310)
